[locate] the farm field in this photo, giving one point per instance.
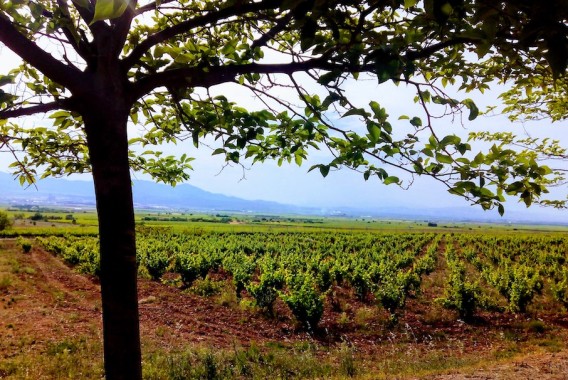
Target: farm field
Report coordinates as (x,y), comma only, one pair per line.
(50,221)
(250,301)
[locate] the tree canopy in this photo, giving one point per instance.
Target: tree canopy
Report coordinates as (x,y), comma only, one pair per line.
(169,50)
(93,65)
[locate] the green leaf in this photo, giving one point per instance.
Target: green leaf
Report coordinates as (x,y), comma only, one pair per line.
(324,170)
(391,179)
(444,159)
(6,98)
(447,9)
(410,3)
(328,77)
(416,121)
(374,132)
(473,110)
(109,9)
(462,148)
(501,209)
(195,138)
(479,158)
(59,114)
(380,113)
(134,117)
(356,111)
(331,98)
(6,79)
(450,140)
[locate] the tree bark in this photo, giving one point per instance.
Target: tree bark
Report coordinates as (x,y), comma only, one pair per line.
(106,128)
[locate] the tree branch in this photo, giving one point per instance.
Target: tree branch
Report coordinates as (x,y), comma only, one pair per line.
(80,46)
(122,26)
(428,51)
(211,76)
(67,76)
(87,15)
(151,6)
(186,26)
(28,111)
(271,34)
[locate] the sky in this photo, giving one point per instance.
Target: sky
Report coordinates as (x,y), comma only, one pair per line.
(291,184)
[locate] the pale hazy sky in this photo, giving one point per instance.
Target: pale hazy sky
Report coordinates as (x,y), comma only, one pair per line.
(293,185)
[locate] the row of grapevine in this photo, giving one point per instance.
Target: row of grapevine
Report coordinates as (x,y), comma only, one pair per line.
(517,267)
(302,268)
(298,268)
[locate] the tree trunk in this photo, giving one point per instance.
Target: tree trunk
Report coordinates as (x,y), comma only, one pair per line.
(105,124)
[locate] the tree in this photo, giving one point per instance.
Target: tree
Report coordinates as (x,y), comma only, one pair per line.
(4,221)
(94,64)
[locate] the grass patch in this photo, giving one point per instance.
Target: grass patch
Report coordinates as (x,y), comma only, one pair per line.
(536,327)
(68,359)
(240,363)
(5,282)
(227,297)
(551,345)
(17,268)
(364,316)
(417,363)
(207,287)
(507,351)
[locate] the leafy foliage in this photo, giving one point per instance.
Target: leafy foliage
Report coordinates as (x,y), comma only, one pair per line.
(82,253)
(5,221)
(304,300)
(460,295)
(517,283)
(270,281)
(168,57)
(559,286)
(494,273)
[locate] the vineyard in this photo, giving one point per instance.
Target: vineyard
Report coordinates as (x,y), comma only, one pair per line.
(310,272)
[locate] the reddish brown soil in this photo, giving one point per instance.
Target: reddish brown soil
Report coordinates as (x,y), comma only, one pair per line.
(52,302)
(552,366)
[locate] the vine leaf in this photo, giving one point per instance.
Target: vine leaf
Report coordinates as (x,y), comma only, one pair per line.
(109,9)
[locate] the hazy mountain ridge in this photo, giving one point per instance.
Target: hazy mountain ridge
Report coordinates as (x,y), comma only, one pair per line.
(149,195)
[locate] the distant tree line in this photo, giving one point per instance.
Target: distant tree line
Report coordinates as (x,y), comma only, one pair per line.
(222,219)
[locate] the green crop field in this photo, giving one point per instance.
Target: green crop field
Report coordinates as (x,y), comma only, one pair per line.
(502,271)
(351,286)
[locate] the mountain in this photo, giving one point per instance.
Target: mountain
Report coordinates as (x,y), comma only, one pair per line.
(466,214)
(147,195)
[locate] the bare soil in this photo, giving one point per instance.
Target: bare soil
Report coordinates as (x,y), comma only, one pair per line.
(44,301)
(536,366)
